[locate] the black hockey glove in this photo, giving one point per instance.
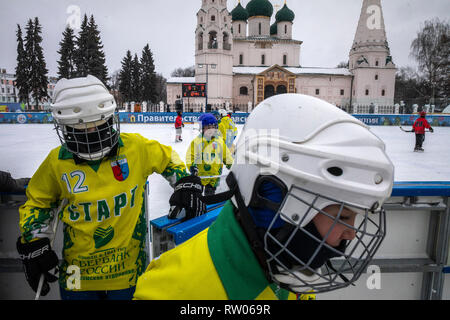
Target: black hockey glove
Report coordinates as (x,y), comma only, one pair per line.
(38,258)
(193,170)
(431,129)
(188,196)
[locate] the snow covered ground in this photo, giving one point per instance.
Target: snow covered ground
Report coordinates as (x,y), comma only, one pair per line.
(24,147)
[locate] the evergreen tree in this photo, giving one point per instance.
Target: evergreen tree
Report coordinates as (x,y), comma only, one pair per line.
(81,53)
(28,60)
(136,80)
(148,76)
(125,75)
(96,63)
(89,56)
(22,69)
(66,63)
(38,76)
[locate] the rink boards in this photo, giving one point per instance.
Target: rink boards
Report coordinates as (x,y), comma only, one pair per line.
(435,120)
(412,263)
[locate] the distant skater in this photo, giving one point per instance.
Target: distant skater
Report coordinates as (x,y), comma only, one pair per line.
(419,127)
(178,126)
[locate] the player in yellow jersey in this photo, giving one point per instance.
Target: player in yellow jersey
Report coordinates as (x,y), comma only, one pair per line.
(290,225)
(207,154)
(227,128)
(102,173)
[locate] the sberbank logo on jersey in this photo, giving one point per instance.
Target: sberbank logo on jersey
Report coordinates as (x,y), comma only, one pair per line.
(102,236)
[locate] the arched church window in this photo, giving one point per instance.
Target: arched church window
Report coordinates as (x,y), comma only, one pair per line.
(239,27)
(243,91)
(260,28)
(285,29)
(212,42)
(263,59)
(241,59)
(213,18)
(367,92)
(200,41)
(285,59)
(383,92)
(226,41)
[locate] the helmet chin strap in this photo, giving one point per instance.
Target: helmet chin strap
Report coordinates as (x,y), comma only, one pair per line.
(245,220)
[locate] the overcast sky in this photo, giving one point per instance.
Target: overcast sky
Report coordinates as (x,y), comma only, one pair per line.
(326,27)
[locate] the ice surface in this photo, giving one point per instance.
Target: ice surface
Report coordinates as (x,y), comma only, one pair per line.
(24,147)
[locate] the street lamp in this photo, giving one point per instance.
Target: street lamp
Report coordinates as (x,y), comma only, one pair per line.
(213,66)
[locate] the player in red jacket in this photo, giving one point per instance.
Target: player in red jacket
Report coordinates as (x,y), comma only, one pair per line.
(178,126)
(419,127)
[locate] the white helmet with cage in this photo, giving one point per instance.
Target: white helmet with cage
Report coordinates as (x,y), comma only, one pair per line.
(319,156)
(84,113)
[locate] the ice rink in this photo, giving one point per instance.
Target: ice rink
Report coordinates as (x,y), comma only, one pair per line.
(24,146)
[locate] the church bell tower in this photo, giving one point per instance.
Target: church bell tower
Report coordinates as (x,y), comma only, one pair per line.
(370,59)
(213,52)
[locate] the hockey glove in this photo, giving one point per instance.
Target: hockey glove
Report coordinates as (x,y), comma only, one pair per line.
(38,258)
(193,170)
(188,196)
(431,129)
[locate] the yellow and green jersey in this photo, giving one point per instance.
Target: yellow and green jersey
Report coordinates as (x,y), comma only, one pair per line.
(104,223)
(228,130)
(216,264)
(208,156)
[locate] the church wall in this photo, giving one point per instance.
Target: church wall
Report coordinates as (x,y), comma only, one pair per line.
(173,90)
(243,81)
(284,29)
(365,80)
(273,52)
(329,87)
(253,26)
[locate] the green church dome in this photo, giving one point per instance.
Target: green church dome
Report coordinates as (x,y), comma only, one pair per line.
(259,8)
(285,14)
(273,29)
(239,13)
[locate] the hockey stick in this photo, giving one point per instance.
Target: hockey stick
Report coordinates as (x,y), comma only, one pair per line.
(404,130)
(54,228)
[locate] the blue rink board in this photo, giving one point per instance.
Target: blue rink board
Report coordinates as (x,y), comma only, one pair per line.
(421,188)
(182,231)
(164,222)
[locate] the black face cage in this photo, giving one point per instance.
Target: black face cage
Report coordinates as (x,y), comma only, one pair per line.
(340,272)
(90,142)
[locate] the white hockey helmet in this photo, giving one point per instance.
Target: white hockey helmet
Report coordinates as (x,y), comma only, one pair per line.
(223,112)
(321,156)
(84,113)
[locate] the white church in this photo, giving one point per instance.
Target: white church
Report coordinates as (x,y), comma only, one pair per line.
(248,55)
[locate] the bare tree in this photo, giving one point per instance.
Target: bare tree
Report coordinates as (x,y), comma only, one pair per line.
(342,64)
(431,49)
(183,72)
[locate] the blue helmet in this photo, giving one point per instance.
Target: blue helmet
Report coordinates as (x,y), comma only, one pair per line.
(208,119)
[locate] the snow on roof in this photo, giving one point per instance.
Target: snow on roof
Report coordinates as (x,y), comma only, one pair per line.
(447,109)
(181,80)
(295,70)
